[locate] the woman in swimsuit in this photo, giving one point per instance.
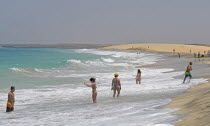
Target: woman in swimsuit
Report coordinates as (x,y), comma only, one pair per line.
(93,85)
(116,85)
(138,77)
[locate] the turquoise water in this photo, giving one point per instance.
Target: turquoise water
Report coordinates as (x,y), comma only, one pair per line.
(16,60)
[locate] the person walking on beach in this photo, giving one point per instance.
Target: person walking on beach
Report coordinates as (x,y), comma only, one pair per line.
(93,85)
(11,100)
(116,85)
(187,73)
(138,77)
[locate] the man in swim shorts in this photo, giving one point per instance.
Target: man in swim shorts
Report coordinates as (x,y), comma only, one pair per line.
(11,100)
(187,72)
(116,85)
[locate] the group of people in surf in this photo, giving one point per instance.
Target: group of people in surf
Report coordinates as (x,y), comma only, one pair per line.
(115,86)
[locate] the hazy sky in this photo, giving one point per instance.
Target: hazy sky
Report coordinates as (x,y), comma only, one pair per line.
(104,21)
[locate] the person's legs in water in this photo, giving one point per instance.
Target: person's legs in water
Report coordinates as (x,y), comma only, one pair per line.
(114,90)
(137,80)
(184,80)
(190,77)
(186,75)
(94,96)
(118,91)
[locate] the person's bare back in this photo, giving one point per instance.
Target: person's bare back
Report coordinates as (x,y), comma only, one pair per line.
(116,81)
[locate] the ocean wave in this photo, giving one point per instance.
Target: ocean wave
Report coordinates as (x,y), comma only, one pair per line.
(96,62)
(19,70)
(38,70)
(89,62)
(74,61)
(109,60)
(119,64)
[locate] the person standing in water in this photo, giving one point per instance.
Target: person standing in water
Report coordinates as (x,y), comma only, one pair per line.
(187,73)
(116,85)
(11,100)
(93,85)
(179,55)
(138,77)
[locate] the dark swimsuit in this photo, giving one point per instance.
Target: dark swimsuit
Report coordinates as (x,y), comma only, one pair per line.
(10,107)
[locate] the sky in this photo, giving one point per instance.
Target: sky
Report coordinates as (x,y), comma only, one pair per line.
(104,21)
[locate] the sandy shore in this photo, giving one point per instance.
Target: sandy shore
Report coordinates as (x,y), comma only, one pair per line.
(162,48)
(196,104)
(203,62)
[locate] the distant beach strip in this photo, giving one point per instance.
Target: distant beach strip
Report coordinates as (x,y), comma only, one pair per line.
(169,48)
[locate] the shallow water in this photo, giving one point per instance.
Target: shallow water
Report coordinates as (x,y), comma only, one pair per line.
(50,90)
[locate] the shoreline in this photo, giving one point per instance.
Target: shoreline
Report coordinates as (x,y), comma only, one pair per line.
(193,103)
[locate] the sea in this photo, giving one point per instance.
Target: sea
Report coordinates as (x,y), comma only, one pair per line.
(50,87)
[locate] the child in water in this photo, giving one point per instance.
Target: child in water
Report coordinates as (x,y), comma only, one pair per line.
(93,85)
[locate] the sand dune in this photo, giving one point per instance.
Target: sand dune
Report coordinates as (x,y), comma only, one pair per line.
(161,48)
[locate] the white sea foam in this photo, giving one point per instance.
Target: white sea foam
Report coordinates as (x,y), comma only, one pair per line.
(73,61)
(107,60)
(95,63)
(38,70)
(19,70)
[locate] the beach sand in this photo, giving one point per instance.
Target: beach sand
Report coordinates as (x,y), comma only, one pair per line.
(162,48)
(195,102)
(203,62)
